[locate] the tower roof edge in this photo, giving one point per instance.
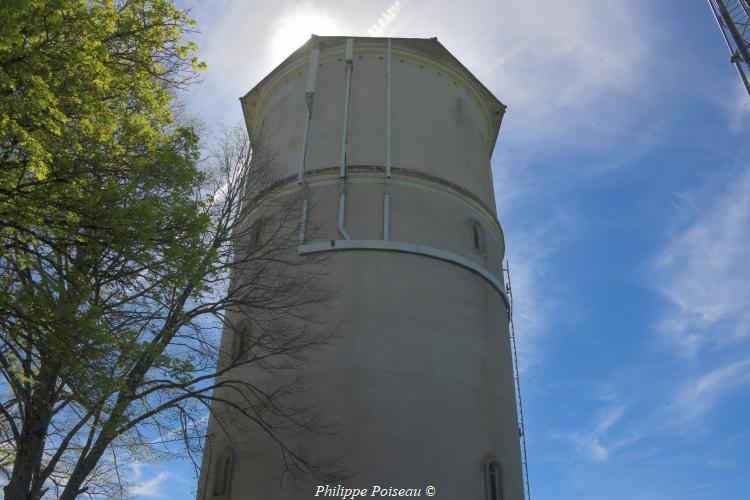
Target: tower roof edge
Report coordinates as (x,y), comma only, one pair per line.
(426,47)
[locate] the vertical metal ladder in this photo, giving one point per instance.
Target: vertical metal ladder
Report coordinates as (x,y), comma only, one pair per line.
(517,379)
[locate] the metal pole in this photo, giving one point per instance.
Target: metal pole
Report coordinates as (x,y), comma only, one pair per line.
(342,217)
(303,223)
(347,95)
(386,216)
(312,78)
(388,112)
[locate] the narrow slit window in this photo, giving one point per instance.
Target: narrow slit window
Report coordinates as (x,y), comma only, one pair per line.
(494,481)
(256,232)
(223,480)
(477,236)
(239,338)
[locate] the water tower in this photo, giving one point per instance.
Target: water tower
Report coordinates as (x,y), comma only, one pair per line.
(391,139)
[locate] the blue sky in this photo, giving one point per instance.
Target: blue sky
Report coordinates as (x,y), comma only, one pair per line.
(623,187)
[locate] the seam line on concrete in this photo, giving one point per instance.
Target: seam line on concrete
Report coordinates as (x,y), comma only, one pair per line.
(318,176)
(413,248)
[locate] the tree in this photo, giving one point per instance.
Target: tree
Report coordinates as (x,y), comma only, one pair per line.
(84,92)
(122,260)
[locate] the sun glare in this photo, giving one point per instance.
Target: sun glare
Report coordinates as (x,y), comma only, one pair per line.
(295,27)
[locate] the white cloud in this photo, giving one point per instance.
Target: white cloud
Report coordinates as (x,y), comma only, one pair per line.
(563,78)
(150,487)
(528,251)
(594,442)
(704,271)
(559,72)
(699,395)
(738,109)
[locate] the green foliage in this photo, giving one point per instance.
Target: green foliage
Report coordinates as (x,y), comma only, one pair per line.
(84,99)
(101,218)
(96,176)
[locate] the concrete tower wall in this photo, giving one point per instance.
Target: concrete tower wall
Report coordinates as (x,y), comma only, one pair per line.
(420,379)
(441,124)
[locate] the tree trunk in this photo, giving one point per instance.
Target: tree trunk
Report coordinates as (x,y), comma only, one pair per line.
(34,427)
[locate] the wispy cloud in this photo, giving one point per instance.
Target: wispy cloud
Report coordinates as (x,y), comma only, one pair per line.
(680,491)
(559,72)
(528,252)
(738,109)
(386,18)
(149,487)
(559,75)
(594,442)
(701,394)
(704,271)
